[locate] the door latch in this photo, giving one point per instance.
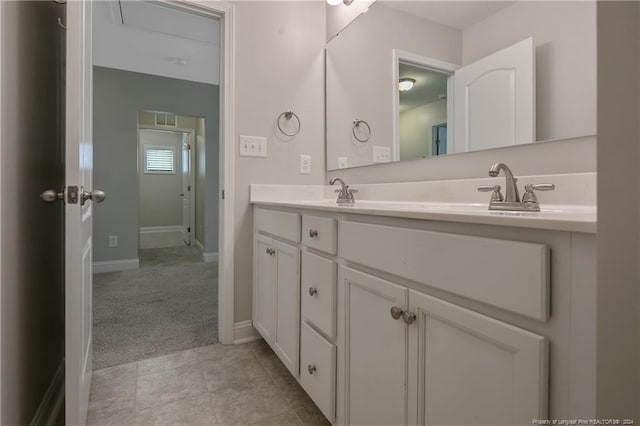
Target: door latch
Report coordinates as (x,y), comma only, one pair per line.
(72,194)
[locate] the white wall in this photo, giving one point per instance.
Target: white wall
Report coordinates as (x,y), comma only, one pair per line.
(279,66)
(618,313)
(415,128)
(359,69)
(160,200)
(564,35)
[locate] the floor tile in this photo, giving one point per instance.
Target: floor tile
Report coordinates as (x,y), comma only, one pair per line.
(247,407)
(116,412)
(244,374)
(190,411)
(160,388)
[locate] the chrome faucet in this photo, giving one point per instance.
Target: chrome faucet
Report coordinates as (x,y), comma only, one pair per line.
(511,189)
(511,201)
(345,194)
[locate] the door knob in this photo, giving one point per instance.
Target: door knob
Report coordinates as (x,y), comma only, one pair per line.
(51,196)
(96,196)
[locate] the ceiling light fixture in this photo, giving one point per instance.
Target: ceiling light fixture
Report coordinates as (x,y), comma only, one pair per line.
(406,84)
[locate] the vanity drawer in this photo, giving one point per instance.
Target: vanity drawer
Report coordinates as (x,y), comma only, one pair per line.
(510,275)
(318,370)
(282,224)
(318,292)
(319,233)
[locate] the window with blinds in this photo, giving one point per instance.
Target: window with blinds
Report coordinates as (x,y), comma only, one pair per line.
(159,159)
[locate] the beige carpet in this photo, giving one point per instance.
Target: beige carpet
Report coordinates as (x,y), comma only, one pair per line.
(170,304)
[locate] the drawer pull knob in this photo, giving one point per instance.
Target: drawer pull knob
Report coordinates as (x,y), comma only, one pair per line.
(408,317)
(396,312)
(313,291)
(313,233)
(271,251)
(311,368)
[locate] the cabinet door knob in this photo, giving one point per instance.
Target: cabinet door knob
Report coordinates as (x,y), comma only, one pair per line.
(396,312)
(271,251)
(313,291)
(408,317)
(313,233)
(311,368)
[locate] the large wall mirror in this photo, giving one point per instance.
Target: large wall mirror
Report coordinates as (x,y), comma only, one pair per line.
(416,79)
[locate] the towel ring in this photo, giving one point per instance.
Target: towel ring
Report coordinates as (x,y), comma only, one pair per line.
(288,115)
(356,123)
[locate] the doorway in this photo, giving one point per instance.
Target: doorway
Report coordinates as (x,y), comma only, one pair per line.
(157,155)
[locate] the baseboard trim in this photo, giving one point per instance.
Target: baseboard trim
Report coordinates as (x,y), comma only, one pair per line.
(115,265)
(161,236)
(52,402)
(209,257)
(199,245)
(243,332)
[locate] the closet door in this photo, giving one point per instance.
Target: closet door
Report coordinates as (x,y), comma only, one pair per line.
(469,369)
(494,100)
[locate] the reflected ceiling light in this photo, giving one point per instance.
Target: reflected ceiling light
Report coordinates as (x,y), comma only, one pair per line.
(337,2)
(406,84)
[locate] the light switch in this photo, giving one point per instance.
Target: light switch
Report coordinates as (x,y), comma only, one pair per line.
(381,154)
(253,146)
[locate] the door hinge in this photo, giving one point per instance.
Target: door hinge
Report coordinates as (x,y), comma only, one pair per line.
(188,146)
(223,194)
(72,194)
(189,229)
(189,188)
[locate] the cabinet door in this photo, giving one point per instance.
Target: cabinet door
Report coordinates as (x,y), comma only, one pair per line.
(373,350)
(469,369)
(287,336)
(263,287)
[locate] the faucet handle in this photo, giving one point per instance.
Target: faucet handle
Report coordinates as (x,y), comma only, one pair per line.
(540,187)
(496,195)
(529,197)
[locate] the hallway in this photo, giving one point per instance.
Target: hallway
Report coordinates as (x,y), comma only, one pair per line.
(168,305)
(213,385)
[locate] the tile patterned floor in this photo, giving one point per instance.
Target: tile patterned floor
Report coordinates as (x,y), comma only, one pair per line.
(212,385)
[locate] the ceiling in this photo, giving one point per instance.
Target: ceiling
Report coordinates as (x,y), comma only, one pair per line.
(429,87)
(456,14)
(154,39)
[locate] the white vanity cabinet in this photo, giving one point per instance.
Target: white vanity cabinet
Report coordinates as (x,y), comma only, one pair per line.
(393,321)
(433,363)
(276,284)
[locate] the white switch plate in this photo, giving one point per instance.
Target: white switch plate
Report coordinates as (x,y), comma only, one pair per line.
(305,164)
(113,241)
(253,146)
(343,162)
(381,154)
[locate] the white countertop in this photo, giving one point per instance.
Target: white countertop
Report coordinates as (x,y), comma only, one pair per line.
(443,203)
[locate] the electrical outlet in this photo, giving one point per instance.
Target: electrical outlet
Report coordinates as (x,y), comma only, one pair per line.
(113,241)
(305,164)
(381,154)
(253,146)
(343,162)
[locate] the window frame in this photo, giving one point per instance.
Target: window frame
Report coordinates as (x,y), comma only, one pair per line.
(148,147)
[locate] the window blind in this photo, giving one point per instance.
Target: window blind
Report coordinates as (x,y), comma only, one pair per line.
(158,160)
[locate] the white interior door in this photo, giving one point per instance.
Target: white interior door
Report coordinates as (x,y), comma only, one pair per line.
(79,217)
(186,189)
(494,100)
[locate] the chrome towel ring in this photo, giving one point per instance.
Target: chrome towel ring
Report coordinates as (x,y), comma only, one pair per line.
(356,123)
(289,115)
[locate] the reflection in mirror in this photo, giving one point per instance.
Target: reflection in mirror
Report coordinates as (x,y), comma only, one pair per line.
(487,74)
(422,111)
